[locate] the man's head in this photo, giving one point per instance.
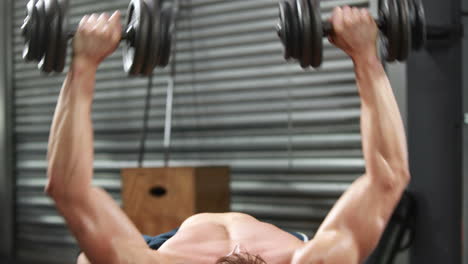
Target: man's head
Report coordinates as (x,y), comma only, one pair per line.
(241,258)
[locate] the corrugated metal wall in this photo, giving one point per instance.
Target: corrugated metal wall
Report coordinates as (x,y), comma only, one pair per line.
(290,136)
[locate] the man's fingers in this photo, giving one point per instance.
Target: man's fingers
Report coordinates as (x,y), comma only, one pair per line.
(363,12)
(92,20)
(356,14)
(101,22)
(103,17)
(337,11)
(370,18)
(114,23)
(366,16)
(115,18)
(347,15)
(83,23)
(337,19)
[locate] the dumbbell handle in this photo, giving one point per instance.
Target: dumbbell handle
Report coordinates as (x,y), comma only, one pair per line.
(127,34)
(328,27)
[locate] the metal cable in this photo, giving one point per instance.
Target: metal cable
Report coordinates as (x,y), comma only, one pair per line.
(290,127)
(144,132)
(168,122)
(170,87)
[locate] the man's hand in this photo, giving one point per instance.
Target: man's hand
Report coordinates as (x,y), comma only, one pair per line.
(96,38)
(355,32)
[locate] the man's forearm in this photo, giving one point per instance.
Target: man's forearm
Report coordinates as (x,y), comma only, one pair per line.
(70,150)
(383,136)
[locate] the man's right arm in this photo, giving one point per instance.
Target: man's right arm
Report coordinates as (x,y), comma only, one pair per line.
(103,231)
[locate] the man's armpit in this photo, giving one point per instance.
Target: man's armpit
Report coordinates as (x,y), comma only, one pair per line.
(330,247)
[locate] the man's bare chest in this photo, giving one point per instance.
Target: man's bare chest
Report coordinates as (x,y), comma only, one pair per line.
(207,237)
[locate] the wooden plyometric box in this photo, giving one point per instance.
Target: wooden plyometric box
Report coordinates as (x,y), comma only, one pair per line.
(158,200)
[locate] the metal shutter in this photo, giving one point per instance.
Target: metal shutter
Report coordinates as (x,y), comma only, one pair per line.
(290,136)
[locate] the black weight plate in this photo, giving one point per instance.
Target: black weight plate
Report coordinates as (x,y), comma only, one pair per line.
(384,16)
(284,28)
(316,33)
(420,34)
(156,32)
(41,41)
(304,21)
(48,60)
(412,16)
(161,39)
(393,35)
(62,36)
(145,29)
(289,30)
(295,30)
(167,31)
(169,35)
(29,31)
(405,30)
(152,39)
(134,51)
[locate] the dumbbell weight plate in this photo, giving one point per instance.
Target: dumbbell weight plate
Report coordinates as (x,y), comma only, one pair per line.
(289,30)
(167,32)
(405,30)
(62,38)
(162,40)
(285,29)
(419,28)
(384,14)
(305,26)
(392,41)
(296,37)
(29,30)
(316,34)
(152,47)
(41,23)
(46,64)
(412,16)
(134,50)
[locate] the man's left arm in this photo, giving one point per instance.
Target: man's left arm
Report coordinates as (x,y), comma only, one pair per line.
(355,224)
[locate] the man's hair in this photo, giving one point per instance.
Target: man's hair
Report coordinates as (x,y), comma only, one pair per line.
(244,258)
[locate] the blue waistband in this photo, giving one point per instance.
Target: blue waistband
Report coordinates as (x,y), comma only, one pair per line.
(157,241)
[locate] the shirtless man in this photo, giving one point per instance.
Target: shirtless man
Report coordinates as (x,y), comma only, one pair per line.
(348,234)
